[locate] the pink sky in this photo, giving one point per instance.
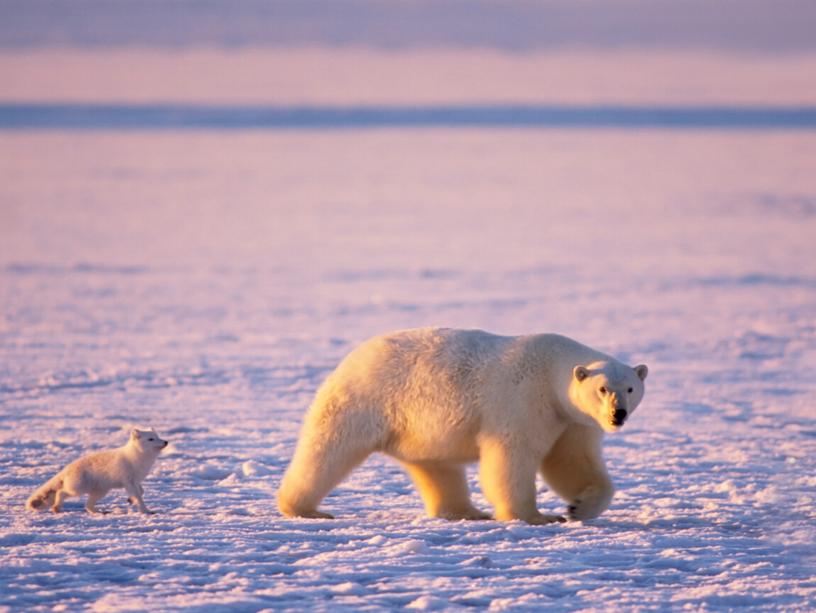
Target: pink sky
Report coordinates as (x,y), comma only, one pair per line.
(411,52)
(347,76)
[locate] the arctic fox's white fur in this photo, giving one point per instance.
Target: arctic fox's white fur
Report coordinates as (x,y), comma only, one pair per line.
(436,399)
(97,473)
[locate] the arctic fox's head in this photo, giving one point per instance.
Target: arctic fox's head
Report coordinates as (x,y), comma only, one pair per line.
(607,392)
(147,441)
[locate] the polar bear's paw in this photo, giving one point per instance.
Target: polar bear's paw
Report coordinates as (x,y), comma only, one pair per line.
(591,502)
(546,518)
(581,510)
(315,515)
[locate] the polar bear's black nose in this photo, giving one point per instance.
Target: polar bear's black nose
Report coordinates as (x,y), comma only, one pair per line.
(620,416)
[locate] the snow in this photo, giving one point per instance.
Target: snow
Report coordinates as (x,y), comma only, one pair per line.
(205,282)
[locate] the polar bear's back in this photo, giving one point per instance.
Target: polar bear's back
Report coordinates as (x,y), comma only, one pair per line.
(446,364)
(394,367)
(421,357)
(413,388)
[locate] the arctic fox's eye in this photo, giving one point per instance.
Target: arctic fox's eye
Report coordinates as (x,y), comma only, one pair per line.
(631,389)
(151,439)
(602,389)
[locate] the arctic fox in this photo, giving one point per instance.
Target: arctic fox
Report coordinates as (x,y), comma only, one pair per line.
(98,473)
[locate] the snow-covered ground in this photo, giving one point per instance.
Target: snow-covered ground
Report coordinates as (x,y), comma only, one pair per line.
(205,282)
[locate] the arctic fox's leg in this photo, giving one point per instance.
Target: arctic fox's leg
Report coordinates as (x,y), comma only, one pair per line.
(59,498)
(575,470)
(131,499)
(134,491)
(508,481)
(93,498)
(444,490)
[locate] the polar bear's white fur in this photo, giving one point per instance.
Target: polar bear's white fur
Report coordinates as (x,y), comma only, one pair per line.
(436,399)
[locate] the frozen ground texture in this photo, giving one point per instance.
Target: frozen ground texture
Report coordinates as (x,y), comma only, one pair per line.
(204,283)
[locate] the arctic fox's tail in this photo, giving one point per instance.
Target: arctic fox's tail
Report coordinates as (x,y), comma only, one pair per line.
(44,497)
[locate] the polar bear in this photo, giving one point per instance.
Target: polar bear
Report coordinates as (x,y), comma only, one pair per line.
(436,399)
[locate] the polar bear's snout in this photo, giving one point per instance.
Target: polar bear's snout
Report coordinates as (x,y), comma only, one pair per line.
(619,417)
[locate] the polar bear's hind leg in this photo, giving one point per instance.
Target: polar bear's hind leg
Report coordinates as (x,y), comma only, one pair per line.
(314,473)
(333,442)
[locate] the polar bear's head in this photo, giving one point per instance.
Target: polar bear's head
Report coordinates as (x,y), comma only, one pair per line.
(607,392)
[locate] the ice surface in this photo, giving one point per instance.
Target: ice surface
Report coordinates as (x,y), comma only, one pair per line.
(204,283)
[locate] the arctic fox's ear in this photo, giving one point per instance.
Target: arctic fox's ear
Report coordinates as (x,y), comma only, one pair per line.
(580,373)
(135,434)
(641,370)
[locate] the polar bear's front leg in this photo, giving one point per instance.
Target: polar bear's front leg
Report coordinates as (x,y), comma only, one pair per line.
(508,481)
(575,470)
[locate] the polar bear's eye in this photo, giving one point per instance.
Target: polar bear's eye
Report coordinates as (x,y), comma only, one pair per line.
(602,389)
(631,389)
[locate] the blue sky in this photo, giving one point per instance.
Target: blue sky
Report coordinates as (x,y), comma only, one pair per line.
(515,25)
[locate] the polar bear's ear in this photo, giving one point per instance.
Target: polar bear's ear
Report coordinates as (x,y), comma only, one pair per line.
(580,373)
(135,434)
(641,370)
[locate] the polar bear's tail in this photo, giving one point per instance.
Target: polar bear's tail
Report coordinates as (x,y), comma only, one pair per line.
(45,496)
(333,441)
